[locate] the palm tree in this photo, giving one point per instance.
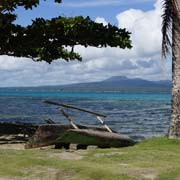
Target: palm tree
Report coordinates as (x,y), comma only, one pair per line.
(171,40)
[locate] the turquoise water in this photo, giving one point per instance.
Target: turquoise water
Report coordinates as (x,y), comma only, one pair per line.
(141,115)
(97,95)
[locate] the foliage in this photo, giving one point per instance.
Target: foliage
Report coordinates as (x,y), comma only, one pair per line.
(166,27)
(170,21)
(48,39)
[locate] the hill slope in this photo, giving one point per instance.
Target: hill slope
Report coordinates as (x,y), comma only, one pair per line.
(120,84)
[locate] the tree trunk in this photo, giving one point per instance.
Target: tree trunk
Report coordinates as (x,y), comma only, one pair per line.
(174,130)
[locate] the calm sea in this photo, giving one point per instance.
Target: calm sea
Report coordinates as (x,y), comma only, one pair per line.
(140,115)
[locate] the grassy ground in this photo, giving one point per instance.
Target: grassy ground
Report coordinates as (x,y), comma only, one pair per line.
(157,158)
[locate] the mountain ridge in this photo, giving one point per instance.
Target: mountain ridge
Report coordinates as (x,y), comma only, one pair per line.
(121,84)
(112,84)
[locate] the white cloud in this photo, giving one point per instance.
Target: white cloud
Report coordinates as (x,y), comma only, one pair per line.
(142,61)
(101,20)
(145,28)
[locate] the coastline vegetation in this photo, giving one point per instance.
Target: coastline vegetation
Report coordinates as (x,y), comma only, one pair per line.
(156,158)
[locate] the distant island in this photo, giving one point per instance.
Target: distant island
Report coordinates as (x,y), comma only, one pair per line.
(120,84)
(112,84)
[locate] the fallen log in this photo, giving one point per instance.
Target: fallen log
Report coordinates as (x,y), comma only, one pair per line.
(53,134)
(47,134)
(95,137)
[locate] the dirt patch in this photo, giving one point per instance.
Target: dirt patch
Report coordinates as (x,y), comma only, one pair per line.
(142,173)
(67,155)
(123,164)
(12,146)
(42,173)
(108,154)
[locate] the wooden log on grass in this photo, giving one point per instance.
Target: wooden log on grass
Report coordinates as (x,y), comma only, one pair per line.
(96,138)
(47,134)
(85,135)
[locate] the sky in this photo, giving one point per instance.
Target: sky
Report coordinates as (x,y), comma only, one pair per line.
(141,17)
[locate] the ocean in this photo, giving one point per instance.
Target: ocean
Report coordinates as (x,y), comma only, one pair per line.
(140,115)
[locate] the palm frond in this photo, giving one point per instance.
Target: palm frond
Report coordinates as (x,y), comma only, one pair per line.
(167,27)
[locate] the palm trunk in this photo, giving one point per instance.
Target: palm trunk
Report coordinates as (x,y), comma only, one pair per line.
(174,130)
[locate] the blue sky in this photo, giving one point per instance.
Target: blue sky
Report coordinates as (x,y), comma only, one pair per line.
(93,8)
(141,17)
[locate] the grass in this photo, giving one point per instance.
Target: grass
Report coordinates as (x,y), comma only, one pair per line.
(156,158)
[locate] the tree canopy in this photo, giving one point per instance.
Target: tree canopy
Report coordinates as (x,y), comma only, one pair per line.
(48,39)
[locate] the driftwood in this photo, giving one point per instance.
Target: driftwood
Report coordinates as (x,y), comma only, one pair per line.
(17,128)
(47,135)
(85,135)
(69,119)
(74,107)
(95,137)
(49,121)
(63,135)
(100,117)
